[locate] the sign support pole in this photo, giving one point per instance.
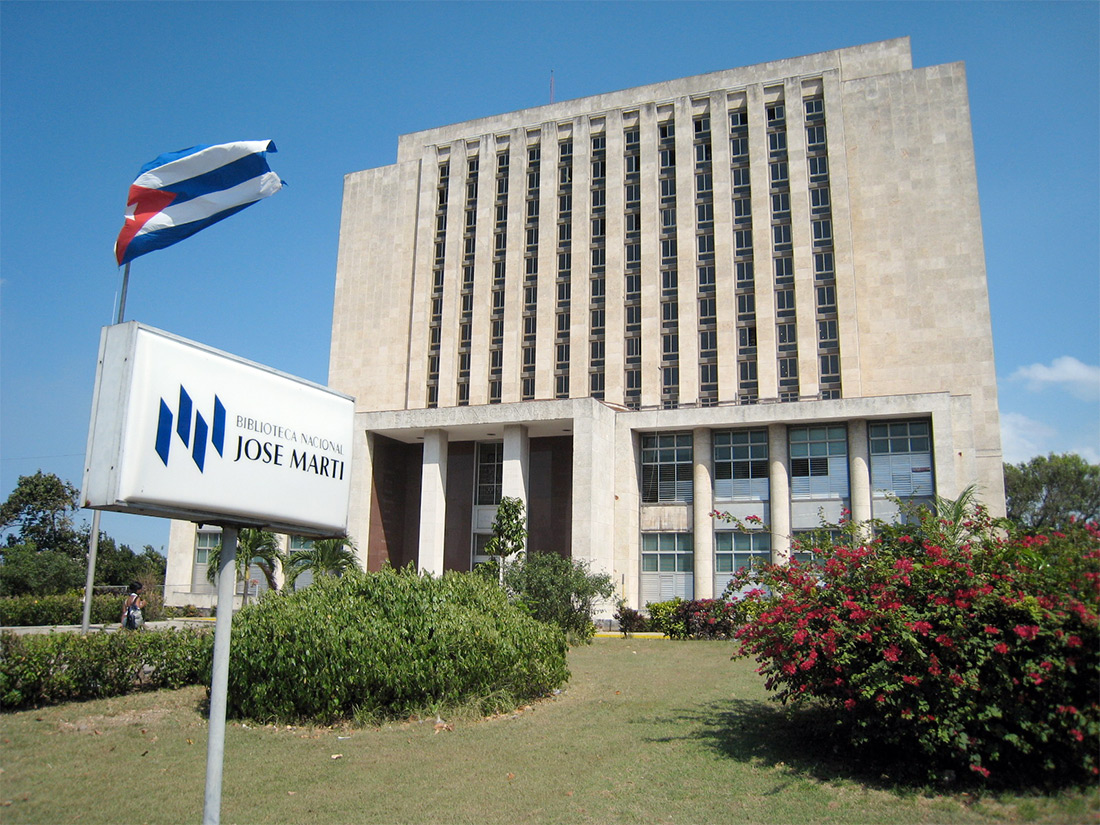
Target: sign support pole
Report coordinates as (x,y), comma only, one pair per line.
(93,538)
(219,682)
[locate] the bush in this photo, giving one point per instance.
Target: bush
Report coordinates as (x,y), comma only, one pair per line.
(68,609)
(971,650)
(664,617)
(630,620)
(558,590)
(695,619)
(387,645)
(43,669)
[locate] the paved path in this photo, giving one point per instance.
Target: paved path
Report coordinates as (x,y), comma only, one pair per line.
(108,628)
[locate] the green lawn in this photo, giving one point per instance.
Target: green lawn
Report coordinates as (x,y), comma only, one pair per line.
(646,731)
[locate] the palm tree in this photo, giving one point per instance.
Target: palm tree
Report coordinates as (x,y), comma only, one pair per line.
(327,557)
(254,547)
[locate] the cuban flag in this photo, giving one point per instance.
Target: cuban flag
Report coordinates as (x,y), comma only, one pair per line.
(182,192)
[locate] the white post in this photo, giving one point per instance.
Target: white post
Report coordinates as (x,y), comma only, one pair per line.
(219,681)
(93,539)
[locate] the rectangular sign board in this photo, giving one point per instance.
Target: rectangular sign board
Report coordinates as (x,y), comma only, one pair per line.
(181,430)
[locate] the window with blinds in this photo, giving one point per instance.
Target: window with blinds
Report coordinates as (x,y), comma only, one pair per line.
(666,467)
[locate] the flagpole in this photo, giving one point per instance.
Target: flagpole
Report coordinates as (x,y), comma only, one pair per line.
(93,539)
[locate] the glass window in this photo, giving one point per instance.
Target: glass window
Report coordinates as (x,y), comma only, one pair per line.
(737,551)
(667,467)
(901,458)
(741,465)
(819,461)
(490,471)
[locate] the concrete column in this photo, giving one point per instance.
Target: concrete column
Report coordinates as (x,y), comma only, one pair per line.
(859,471)
(433,502)
(517,459)
(779,476)
(702,505)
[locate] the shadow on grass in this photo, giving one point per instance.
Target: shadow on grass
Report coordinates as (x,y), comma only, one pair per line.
(802,741)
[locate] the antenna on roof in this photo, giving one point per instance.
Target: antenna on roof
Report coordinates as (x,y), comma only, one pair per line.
(551,85)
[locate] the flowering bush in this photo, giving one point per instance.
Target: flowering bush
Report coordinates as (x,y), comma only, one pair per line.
(959,641)
(695,619)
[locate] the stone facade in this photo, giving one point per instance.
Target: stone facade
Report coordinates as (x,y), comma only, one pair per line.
(760,290)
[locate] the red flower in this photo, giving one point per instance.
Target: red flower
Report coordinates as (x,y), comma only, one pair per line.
(891,653)
(979,769)
(1000,647)
(1076,734)
(991,629)
(1028,631)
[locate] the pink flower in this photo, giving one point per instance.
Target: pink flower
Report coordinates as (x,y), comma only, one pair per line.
(891,653)
(1076,734)
(1026,631)
(1000,647)
(849,704)
(979,769)
(991,629)
(923,628)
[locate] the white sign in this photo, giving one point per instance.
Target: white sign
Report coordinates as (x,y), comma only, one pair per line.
(181,430)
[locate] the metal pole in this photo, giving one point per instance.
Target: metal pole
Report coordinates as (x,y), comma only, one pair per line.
(219,682)
(93,539)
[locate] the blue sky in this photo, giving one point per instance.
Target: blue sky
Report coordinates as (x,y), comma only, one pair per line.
(91,91)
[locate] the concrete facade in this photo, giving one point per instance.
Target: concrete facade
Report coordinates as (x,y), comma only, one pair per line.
(760,290)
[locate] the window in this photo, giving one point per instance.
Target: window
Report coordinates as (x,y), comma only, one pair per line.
(901,458)
(784,269)
(739,147)
(706,245)
(826,299)
(786,335)
(741,465)
(706,276)
(708,343)
(819,199)
(746,339)
(704,213)
(781,236)
(667,158)
(781,205)
(668,564)
(666,130)
(599,227)
(746,306)
(777,142)
(704,183)
(742,209)
(633,164)
(490,470)
(742,242)
(633,194)
(707,311)
(702,153)
(702,125)
(784,301)
(204,543)
(819,168)
(819,462)
(827,333)
(739,119)
(823,266)
(667,467)
(815,138)
(737,551)
(830,368)
(668,188)
(744,273)
(815,108)
(668,247)
(740,177)
(823,231)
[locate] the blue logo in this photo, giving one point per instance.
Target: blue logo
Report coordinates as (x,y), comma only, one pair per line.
(195,438)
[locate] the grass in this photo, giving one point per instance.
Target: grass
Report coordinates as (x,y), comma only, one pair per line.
(647,731)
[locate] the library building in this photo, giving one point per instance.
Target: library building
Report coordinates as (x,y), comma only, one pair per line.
(760,291)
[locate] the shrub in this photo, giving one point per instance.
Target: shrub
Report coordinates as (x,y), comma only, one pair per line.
(387,645)
(42,669)
(630,620)
(971,649)
(695,619)
(665,618)
(68,609)
(558,590)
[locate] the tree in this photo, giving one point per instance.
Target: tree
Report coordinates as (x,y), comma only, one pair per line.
(28,571)
(41,511)
(509,532)
(327,557)
(254,547)
(1044,493)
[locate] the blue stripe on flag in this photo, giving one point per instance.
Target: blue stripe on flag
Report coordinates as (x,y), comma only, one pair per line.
(224,177)
(168,157)
(152,241)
